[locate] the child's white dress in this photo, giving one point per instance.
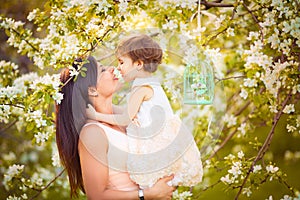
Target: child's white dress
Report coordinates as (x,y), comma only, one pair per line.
(159,143)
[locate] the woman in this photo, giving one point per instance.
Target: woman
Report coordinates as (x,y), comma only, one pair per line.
(95,161)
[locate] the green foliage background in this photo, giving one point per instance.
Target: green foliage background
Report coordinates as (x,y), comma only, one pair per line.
(284,148)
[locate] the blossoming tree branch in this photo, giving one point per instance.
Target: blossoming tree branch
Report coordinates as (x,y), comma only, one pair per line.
(254,47)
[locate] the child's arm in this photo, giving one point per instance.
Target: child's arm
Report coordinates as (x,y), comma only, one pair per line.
(117,109)
(139,95)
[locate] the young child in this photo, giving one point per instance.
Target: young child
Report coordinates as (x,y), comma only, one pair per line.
(159,143)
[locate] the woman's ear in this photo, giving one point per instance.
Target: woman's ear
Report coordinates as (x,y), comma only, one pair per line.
(92,91)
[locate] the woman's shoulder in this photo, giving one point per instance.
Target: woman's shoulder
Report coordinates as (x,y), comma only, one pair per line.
(91,127)
(96,129)
(93,142)
(92,132)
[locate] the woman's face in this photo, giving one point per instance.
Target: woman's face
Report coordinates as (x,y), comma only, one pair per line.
(127,67)
(107,83)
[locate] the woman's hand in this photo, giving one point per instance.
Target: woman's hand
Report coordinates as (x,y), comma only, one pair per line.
(161,190)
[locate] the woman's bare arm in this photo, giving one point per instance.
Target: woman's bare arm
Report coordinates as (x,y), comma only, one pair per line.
(92,149)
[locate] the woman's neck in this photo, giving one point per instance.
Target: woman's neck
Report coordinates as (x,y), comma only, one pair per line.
(103,105)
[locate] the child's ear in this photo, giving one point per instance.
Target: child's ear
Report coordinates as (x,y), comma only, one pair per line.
(140,64)
(92,91)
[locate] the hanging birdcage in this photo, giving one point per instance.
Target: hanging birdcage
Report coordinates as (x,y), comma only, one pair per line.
(199,84)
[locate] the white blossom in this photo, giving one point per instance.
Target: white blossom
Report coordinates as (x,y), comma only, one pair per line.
(250,82)
(73,71)
(269,20)
(296,88)
(230,32)
(10,92)
(9,156)
(273,108)
(290,128)
(288,155)
(235,169)
(270,198)
(94,28)
(247,191)
(230,120)
(5,112)
(41,137)
(289,109)
(243,93)
(241,154)
(55,157)
(12,172)
(208,164)
(227,179)
(13,198)
(219,21)
(284,46)
(242,128)
(172,24)
(274,39)
(123,5)
(38,61)
(45,174)
(58,97)
(256,168)
(271,169)
(229,157)
(286,197)
(117,74)
(182,195)
(21,82)
(37,117)
(180,3)
(191,55)
(298,121)
(24,196)
(271,82)
(36,179)
(254,56)
(253,35)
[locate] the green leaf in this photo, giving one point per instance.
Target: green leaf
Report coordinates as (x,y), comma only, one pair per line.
(30,126)
(83,74)
(47,98)
(84,69)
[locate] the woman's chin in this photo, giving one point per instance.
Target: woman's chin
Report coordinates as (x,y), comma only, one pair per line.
(119,85)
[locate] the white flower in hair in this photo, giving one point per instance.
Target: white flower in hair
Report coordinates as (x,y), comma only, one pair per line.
(118,75)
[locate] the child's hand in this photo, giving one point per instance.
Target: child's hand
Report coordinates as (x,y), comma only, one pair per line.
(91,112)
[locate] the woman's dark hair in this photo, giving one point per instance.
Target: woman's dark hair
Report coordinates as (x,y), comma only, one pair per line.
(141,47)
(70,118)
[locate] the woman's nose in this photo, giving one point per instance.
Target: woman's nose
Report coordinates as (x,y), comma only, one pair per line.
(111,69)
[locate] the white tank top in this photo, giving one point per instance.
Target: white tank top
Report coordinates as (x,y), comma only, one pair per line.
(117,159)
(157,108)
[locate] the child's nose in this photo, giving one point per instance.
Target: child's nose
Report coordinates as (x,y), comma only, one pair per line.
(119,67)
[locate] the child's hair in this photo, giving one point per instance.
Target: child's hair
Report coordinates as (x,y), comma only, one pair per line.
(141,47)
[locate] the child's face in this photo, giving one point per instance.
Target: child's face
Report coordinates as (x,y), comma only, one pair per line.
(127,67)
